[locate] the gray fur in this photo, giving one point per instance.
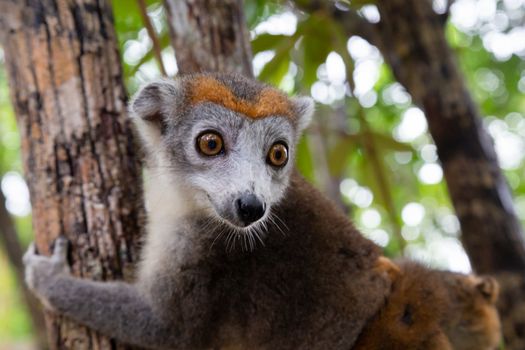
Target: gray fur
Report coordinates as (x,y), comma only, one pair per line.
(243,167)
(300,277)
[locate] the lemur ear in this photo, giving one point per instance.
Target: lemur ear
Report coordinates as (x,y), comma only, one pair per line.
(304,108)
(489,288)
(388,268)
(154,100)
(152,105)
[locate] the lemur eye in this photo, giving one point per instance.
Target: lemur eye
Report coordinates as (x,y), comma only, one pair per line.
(210,143)
(277,155)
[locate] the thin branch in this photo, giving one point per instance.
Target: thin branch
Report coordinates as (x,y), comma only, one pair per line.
(381,178)
(157,50)
(350,21)
(371,151)
(329,184)
(445,15)
(449,5)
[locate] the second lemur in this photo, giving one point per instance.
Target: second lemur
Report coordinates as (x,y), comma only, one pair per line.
(240,252)
(434,310)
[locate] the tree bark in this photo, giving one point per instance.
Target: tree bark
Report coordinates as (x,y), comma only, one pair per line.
(13,249)
(210,36)
(77,144)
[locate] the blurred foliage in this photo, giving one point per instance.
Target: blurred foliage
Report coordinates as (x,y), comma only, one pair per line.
(14,322)
(368,140)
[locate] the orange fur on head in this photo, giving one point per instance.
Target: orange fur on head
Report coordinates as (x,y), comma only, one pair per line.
(269,102)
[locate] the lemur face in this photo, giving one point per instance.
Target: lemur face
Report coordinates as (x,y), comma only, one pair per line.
(240,165)
(228,141)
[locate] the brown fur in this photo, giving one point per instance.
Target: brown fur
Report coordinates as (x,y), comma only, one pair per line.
(313,288)
(434,310)
(472,322)
(268,101)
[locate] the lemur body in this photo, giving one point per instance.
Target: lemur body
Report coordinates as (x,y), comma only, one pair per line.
(240,252)
(434,310)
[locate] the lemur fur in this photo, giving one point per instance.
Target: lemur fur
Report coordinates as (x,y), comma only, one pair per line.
(434,310)
(284,269)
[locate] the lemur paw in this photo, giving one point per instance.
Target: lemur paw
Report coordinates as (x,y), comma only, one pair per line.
(41,271)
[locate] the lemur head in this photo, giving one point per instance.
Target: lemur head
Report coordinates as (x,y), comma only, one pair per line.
(225,142)
(473,321)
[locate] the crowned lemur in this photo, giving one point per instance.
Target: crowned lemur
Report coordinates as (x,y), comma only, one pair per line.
(240,252)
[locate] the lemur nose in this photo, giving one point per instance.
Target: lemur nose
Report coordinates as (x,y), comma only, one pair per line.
(249,208)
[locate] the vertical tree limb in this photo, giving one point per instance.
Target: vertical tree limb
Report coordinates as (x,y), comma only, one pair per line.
(210,35)
(77,144)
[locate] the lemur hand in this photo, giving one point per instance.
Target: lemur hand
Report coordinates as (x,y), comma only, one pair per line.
(42,271)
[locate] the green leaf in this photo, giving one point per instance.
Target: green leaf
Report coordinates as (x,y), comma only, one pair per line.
(266,42)
(316,43)
(257,11)
(386,142)
(275,70)
(304,161)
(338,155)
(360,3)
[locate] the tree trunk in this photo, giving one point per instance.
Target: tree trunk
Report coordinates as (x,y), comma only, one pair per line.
(210,36)
(13,249)
(77,145)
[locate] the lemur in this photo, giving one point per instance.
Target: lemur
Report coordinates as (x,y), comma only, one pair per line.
(434,310)
(240,252)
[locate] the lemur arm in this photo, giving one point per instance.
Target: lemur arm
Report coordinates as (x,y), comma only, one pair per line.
(112,308)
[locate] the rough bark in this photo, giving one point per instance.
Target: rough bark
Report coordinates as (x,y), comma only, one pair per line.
(13,249)
(77,145)
(210,35)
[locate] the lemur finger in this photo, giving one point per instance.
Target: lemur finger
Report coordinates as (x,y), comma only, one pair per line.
(32,258)
(60,249)
(30,252)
